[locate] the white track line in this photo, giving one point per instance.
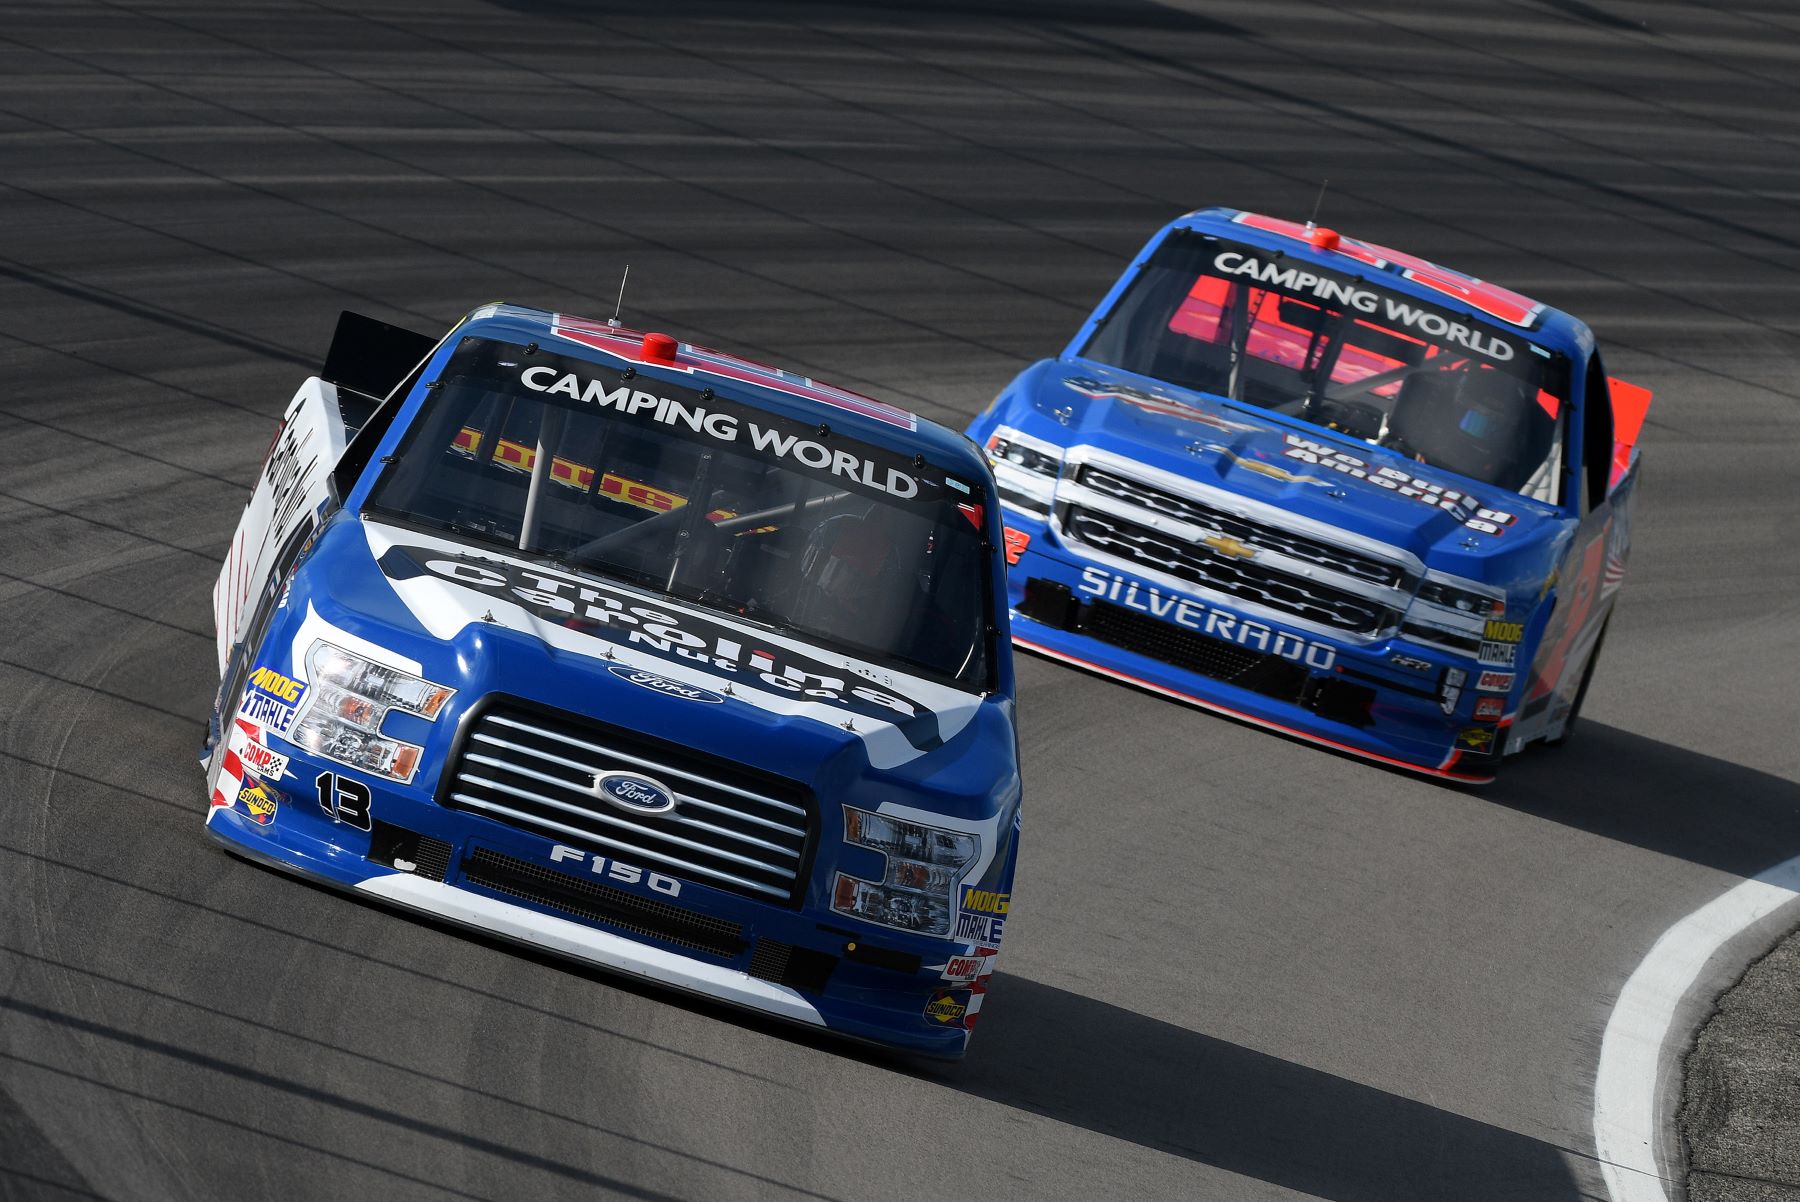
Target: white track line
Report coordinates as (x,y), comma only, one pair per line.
(1625,1131)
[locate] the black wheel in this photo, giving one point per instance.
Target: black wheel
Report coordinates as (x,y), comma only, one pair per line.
(1587,678)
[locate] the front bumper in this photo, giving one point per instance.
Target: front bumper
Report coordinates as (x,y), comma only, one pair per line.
(462,868)
(1348,697)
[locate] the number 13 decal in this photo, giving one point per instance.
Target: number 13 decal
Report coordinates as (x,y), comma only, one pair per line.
(344,799)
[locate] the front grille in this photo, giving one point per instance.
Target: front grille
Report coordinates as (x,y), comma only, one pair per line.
(1255,670)
(1258,534)
(1235,576)
(1260,672)
(731,828)
(601,903)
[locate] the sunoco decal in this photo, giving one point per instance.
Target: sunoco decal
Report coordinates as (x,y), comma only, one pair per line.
(679,636)
(259,803)
(947,1007)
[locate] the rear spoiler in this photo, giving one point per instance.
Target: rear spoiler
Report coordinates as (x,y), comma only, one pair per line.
(370,358)
(1630,402)
(370,362)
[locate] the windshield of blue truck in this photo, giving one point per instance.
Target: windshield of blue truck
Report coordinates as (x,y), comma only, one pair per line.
(696,496)
(1345,353)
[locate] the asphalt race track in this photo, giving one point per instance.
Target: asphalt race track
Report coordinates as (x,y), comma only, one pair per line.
(1239,968)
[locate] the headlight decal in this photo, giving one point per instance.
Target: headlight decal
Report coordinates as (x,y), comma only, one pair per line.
(923,871)
(1025,469)
(933,840)
(349,697)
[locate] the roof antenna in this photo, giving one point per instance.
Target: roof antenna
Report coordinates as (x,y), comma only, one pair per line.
(613,321)
(1312,219)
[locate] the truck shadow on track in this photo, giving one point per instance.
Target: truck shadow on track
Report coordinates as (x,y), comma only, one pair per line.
(1665,799)
(1053,1052)
(1095,1065)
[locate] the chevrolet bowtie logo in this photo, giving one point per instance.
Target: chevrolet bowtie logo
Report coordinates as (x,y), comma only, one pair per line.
(1229,547)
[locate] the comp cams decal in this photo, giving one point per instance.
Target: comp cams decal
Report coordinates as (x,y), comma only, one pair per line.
(976,966)
(247,763)
(260,762)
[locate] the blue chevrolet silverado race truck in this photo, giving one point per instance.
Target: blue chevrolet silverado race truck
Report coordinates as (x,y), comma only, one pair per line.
(1325,487)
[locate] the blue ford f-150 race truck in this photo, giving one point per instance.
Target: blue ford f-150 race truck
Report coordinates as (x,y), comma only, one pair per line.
(1326,487)
(636,652)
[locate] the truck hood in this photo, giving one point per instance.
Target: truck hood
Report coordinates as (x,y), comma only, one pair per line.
(480,621)
(1303,469)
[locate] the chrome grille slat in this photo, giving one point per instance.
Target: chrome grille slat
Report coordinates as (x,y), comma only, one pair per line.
(1256,533)
(490,761)
(1245,580)
(648,766)
(688,798)
(609,820)
(640,852)
(732,826)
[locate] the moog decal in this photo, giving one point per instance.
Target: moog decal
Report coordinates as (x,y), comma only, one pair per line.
(272,700)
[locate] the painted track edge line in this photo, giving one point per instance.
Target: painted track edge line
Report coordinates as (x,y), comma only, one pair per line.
(1625,1083)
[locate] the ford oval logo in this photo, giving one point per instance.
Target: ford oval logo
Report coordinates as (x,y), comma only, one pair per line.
(633,793)
(662,684)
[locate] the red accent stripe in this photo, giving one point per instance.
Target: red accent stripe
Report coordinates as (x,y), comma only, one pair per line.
(1441,770)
